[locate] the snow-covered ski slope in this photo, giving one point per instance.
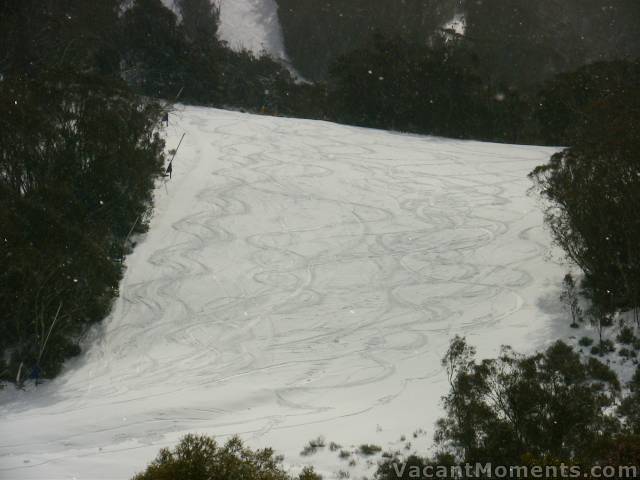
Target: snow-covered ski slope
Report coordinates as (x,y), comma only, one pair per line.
(248,24)
(253,25)
(299,279)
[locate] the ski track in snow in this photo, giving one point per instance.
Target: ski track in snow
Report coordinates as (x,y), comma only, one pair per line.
(299,279)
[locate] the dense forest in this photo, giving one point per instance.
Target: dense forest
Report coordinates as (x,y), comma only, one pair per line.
(83,87)
(79,153)
(75,77)
(317,32)
(518,42)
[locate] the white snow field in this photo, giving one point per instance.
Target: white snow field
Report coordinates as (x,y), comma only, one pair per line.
(299,279)
(248,24)
(253,25)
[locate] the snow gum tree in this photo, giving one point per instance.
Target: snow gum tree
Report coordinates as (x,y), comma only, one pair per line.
(199,457)
(79,153)
(548,405)
(593,194)
(571,299)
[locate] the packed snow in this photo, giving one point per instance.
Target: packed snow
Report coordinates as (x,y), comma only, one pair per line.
(299,279)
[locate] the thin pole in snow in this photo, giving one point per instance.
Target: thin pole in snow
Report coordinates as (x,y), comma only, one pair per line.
(176,150)
(169,169)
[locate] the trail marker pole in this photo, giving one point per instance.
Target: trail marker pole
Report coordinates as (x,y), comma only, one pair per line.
(169,170)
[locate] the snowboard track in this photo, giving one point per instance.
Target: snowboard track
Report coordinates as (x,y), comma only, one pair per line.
(297,275)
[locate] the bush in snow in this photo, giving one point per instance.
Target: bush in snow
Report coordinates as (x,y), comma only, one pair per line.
(626,336)
(369,449)
(199,457)
(585,342)
(548,408)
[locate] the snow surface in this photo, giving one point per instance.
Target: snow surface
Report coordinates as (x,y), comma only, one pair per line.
(252,25)
(299,279)
(248,24)
(458,24)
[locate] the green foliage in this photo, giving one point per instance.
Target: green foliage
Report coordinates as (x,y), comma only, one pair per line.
(399,70)
(414,467)
(155,50)
(79,152)
(256,83)
(627,353)
(524,43)
(309,474)
(598,371)
(369,449)
(593,190)
(626,336)
(199,457)
(566,100)
(483,84)
(630,406)
(585,342)
(570,299)
(512,39)
(398,85)
(389,468)
(164,57)
(624,450)
(204,53)
(71,34)
(545,409)
(517,42)
(603,348)
(313,446)
(316,33)
(436,87)
(459,358)
(200,19)
(549,405)
(78,156)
